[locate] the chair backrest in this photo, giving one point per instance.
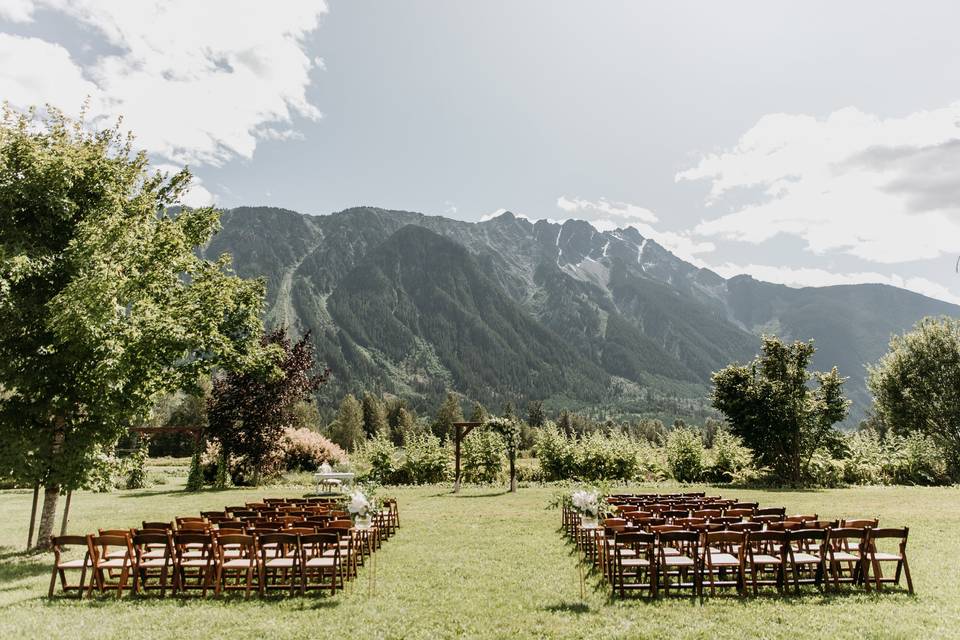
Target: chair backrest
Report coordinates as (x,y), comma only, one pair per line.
(674,513)
(771,511)
(632,538)
(244,544)
(820,524)
(807,535)
(59,544)
(232,525)
(268,526)
(725,520)
(691,538)
(706,513)
(753,537)
(192,525)
(860,523)
(723,537)
(689,522)
(800,517)
(340,524)
(646,523)
(99,546)
(766,519)
(141,542)
(900,533)
(183,519)
(664,528)
(745,526)
(636,513)
(845,536)
(317,543)
(737,512)
(302,530)
(783,525)
(166,526)
(213,514)
(614,522)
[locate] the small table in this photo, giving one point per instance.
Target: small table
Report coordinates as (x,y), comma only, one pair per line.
(332,478)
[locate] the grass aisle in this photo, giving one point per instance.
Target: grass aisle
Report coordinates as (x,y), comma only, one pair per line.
(487,564)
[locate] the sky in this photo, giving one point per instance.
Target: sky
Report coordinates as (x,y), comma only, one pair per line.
(807,143)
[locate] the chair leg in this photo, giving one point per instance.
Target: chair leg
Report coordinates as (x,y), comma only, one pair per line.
(906,574)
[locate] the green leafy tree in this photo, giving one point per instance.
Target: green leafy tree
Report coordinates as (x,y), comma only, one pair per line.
(769,404)
(479,413)
(508,428)
(374,416)
(104,302)
(346,429)
(448,413)
(536,416)
(916,385)
(248,410)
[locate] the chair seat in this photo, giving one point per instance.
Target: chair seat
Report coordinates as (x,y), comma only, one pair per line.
(678,561)
(670,551)
(79,563)
(115,563)
(321,562)
(196,562)
(719,559)
(154,553)
(763,558)
(280,563)
(151,563)
(238,563)
(805,558)
(845,556)
(884,557)
(635,562)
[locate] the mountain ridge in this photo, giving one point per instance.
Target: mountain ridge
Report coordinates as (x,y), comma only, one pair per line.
(646,327)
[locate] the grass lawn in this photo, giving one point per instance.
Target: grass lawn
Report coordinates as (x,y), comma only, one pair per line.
(488,564)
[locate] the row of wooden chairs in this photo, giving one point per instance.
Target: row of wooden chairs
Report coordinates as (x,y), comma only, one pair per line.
(747,560)
(220,551)
(666,526)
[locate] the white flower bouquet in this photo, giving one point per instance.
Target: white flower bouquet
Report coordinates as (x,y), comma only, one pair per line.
(359,504)
(587,503)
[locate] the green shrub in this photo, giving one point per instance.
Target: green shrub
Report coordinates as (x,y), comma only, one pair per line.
(920,461)
(529,470)
(866,460)
(425,461)
(685,454)
(380,459)
(607,457)
(483,457)
(730,457)
(824,470)
(556,452)
(136,469)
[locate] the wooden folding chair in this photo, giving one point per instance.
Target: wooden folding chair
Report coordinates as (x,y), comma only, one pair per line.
(807,557)
(280,559)
(236,559)
(195,560)
(845,555)
(723,554)
(61,547)
(634,555)
(765,555)
(321,562)
(875,557)
(153,558)
(111,555)
(684,566)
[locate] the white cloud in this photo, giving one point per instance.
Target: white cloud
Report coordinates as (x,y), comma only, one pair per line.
(811,277)
(607,216)
(617,213)
(853,183)
(16,10)
(197,82)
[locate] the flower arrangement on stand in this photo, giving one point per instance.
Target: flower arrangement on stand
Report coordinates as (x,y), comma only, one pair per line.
(361,508)
(587,504)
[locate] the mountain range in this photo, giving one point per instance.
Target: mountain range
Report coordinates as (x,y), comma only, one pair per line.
(509,310)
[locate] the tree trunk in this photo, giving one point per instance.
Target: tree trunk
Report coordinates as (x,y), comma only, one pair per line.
(33,514)
(66,514)
(51,490)
(513,473)
(51,494)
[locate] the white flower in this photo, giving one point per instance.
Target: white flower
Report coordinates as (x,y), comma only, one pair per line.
(585,502)
(359,504)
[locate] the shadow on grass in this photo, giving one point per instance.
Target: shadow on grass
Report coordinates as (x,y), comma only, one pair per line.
(577,608)
(450,494)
